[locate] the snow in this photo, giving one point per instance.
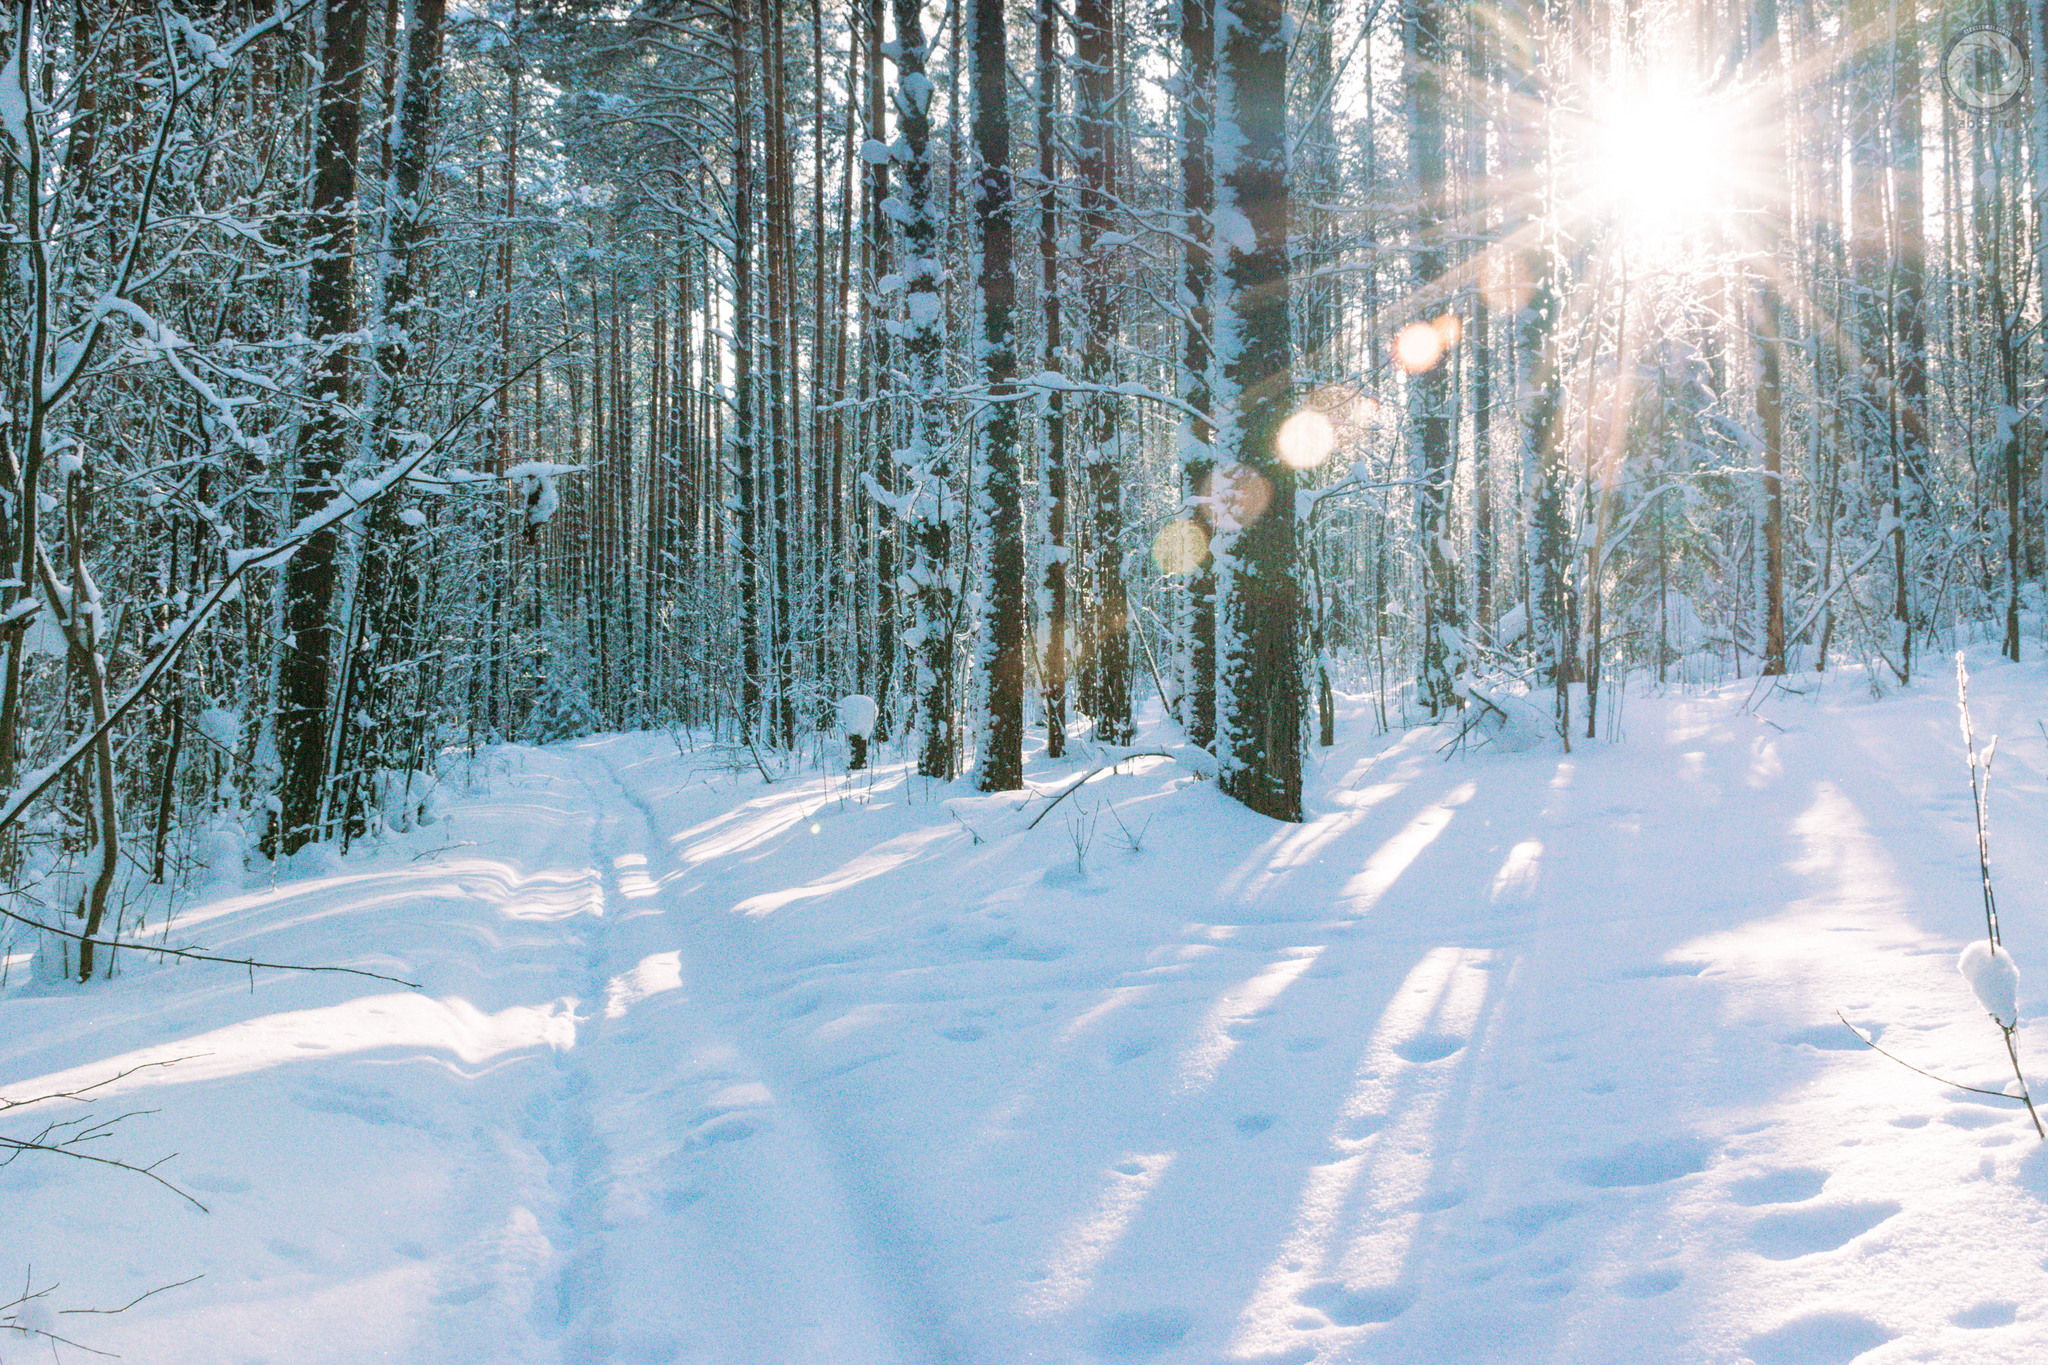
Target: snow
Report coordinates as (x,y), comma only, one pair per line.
(1497,1057)
(857,715)
(221,726)
(1235,230)
(1995,980)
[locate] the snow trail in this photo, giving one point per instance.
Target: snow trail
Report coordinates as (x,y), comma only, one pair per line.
(1515,1057)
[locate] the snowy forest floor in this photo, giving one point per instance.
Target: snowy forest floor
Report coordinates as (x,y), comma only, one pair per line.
(1498,1057)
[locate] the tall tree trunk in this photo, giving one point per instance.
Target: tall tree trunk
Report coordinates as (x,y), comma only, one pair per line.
(745,495)
(999,508)
(882,443)
(1429,383)
(388,577)
(1478,199)
(928,502)
(1053,453)
(1773,225)
(1258,614)
(1095,94)
(1197,430)
(781,419)
(306,668)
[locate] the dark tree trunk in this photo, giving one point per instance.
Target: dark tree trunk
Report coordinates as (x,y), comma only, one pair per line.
(745,495)
(1198,433)
(1258,628)
(1429,386)
(1053,675)
(306,669)
(999,495)
(1095,93)
(925,457)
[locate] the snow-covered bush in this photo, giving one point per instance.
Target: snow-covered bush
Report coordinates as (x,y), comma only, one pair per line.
(857,715)
(407,799)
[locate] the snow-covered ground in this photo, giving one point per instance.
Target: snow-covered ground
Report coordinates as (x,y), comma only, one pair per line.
(1498,1057)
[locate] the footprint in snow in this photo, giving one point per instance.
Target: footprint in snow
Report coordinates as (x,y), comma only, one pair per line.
(1808,1232)
(1793,1185)
(726,1128)
(289,1251)
(1429,1047)
(1818,1339)
(1140,1335)
(1991,1313)
(1356,1307)
(1830,1037)
(1131,1049)
(1526,1220)
(1648,1284)
(1662,969)
(1643,1163)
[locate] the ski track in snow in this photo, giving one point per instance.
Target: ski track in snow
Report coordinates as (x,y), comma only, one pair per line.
(1502,1058)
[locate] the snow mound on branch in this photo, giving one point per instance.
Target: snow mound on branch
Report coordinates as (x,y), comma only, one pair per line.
(1510,721)
(1995,978)
(857,715)
(408,798)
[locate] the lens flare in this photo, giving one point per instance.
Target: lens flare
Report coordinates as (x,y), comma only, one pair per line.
(1662,161)
(1419,346)
(1180,547)
(1240,495)
(1305,440)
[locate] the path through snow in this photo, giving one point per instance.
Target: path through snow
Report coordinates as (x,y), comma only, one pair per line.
(1495,1058)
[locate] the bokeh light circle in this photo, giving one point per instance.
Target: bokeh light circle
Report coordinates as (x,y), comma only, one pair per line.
(1305,440)
(1180,547)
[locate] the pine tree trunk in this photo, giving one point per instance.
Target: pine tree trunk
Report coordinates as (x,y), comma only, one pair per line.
(929,500)
(1258,616)
(745,497)
(1198,433)
(307,665)
(1053,453)
(1770,398)
(1095,93)
(1428,384)
(999,509)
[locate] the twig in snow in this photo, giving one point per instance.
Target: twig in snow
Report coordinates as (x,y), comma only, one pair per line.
(251,963)
(148,1293)
(1958,1085)
(1081,833)
(1980,793)
(1134,842)
(1083,780)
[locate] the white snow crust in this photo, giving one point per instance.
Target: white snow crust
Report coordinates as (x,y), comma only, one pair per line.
(1498,1057)
(857,715)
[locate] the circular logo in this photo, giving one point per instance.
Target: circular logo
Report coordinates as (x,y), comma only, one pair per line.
(1984,69)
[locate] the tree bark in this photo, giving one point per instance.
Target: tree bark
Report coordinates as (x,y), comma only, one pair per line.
(307,666)
(1258,626)
(1198,432)
(1095,93)
(998,493)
